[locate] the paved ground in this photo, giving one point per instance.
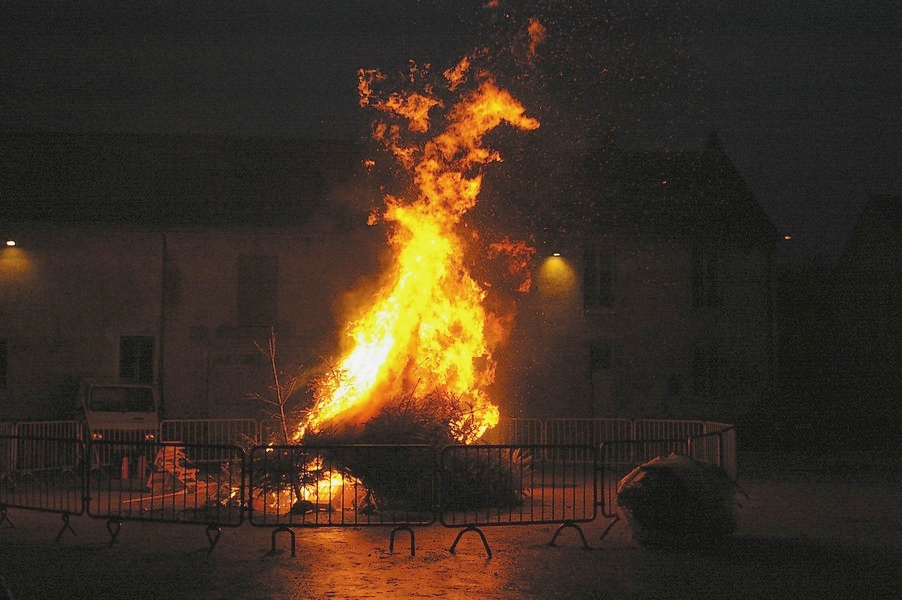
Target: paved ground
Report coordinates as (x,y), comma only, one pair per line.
(809,529)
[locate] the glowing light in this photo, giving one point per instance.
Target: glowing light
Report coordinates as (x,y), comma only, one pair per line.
(557,280)
(10,242)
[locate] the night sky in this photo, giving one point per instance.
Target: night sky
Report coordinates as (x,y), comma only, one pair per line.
(805,96)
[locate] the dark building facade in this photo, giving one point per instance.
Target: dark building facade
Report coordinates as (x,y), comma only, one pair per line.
(866,313)
(168,259)
(661,302)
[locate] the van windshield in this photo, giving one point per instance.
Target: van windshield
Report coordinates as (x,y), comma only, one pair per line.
(122,399)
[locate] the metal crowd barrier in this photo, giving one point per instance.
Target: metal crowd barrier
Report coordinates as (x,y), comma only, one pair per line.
(161,482)
(341,486)
(523,432)
(38,474)
(586,433)
(717,447)
(231,432)
(664,429)
(34,457)
(292,486)
(212,433)
(517,485)
(576,432)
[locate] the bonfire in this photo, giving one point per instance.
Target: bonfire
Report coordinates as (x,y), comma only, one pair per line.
(417,363)
(426,332)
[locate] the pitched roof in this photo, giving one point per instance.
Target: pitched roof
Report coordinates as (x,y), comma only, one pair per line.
(693,193)
(149,179)
(877,236)
(146,179)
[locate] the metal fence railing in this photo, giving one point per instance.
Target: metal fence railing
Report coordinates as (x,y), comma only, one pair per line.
(583,433)
(44,480)
(666,429)
(204,434)
(524,432)
(161,482)
(284,487)
(509,484)
(30,456)
(729,460)
(237,432)
(577,432)
(517,485)
(341,485)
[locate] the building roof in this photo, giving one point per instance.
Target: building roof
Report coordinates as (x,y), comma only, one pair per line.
(698,193)
(182,179)
(173,179)
(876,239)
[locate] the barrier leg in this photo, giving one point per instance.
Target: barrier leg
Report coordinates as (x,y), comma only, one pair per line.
(4,518)
(608,528)
(391,539)
(113,526)
(485,543)
(572,525)
(213,532)
(290,532)
(66,527)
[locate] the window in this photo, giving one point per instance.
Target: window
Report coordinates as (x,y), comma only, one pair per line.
(3,362)
(600,354)
(705,278)
(705,369)
(598,269)
(136,358)
(258,278)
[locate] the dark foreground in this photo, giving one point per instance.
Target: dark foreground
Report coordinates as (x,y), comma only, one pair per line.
(809,529)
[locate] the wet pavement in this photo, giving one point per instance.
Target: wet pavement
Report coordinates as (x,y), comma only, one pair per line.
(802,534)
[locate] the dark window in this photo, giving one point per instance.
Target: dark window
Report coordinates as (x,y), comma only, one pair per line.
(705,369)
(258,278)
(600,354)
(598,269)
(705,278)
(3,362)
(136,358)
(674,386)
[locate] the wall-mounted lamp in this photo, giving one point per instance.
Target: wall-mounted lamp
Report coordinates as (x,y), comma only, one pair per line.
(555,254)
(10,242)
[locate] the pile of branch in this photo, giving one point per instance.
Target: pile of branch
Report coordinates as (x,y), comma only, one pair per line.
(437,420)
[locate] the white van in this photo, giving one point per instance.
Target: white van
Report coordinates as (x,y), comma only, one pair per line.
(119,410)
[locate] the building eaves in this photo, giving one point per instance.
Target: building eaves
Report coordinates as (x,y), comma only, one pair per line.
(696,194)
(142,179)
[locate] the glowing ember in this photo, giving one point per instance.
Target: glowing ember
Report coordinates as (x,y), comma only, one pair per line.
(426,327)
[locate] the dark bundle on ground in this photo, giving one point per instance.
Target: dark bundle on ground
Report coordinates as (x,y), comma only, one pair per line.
(676,501)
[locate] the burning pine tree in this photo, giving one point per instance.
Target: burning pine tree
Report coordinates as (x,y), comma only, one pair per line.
(419,358)
(426,334)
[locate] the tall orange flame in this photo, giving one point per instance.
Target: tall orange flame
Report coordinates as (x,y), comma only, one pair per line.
(426,328)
